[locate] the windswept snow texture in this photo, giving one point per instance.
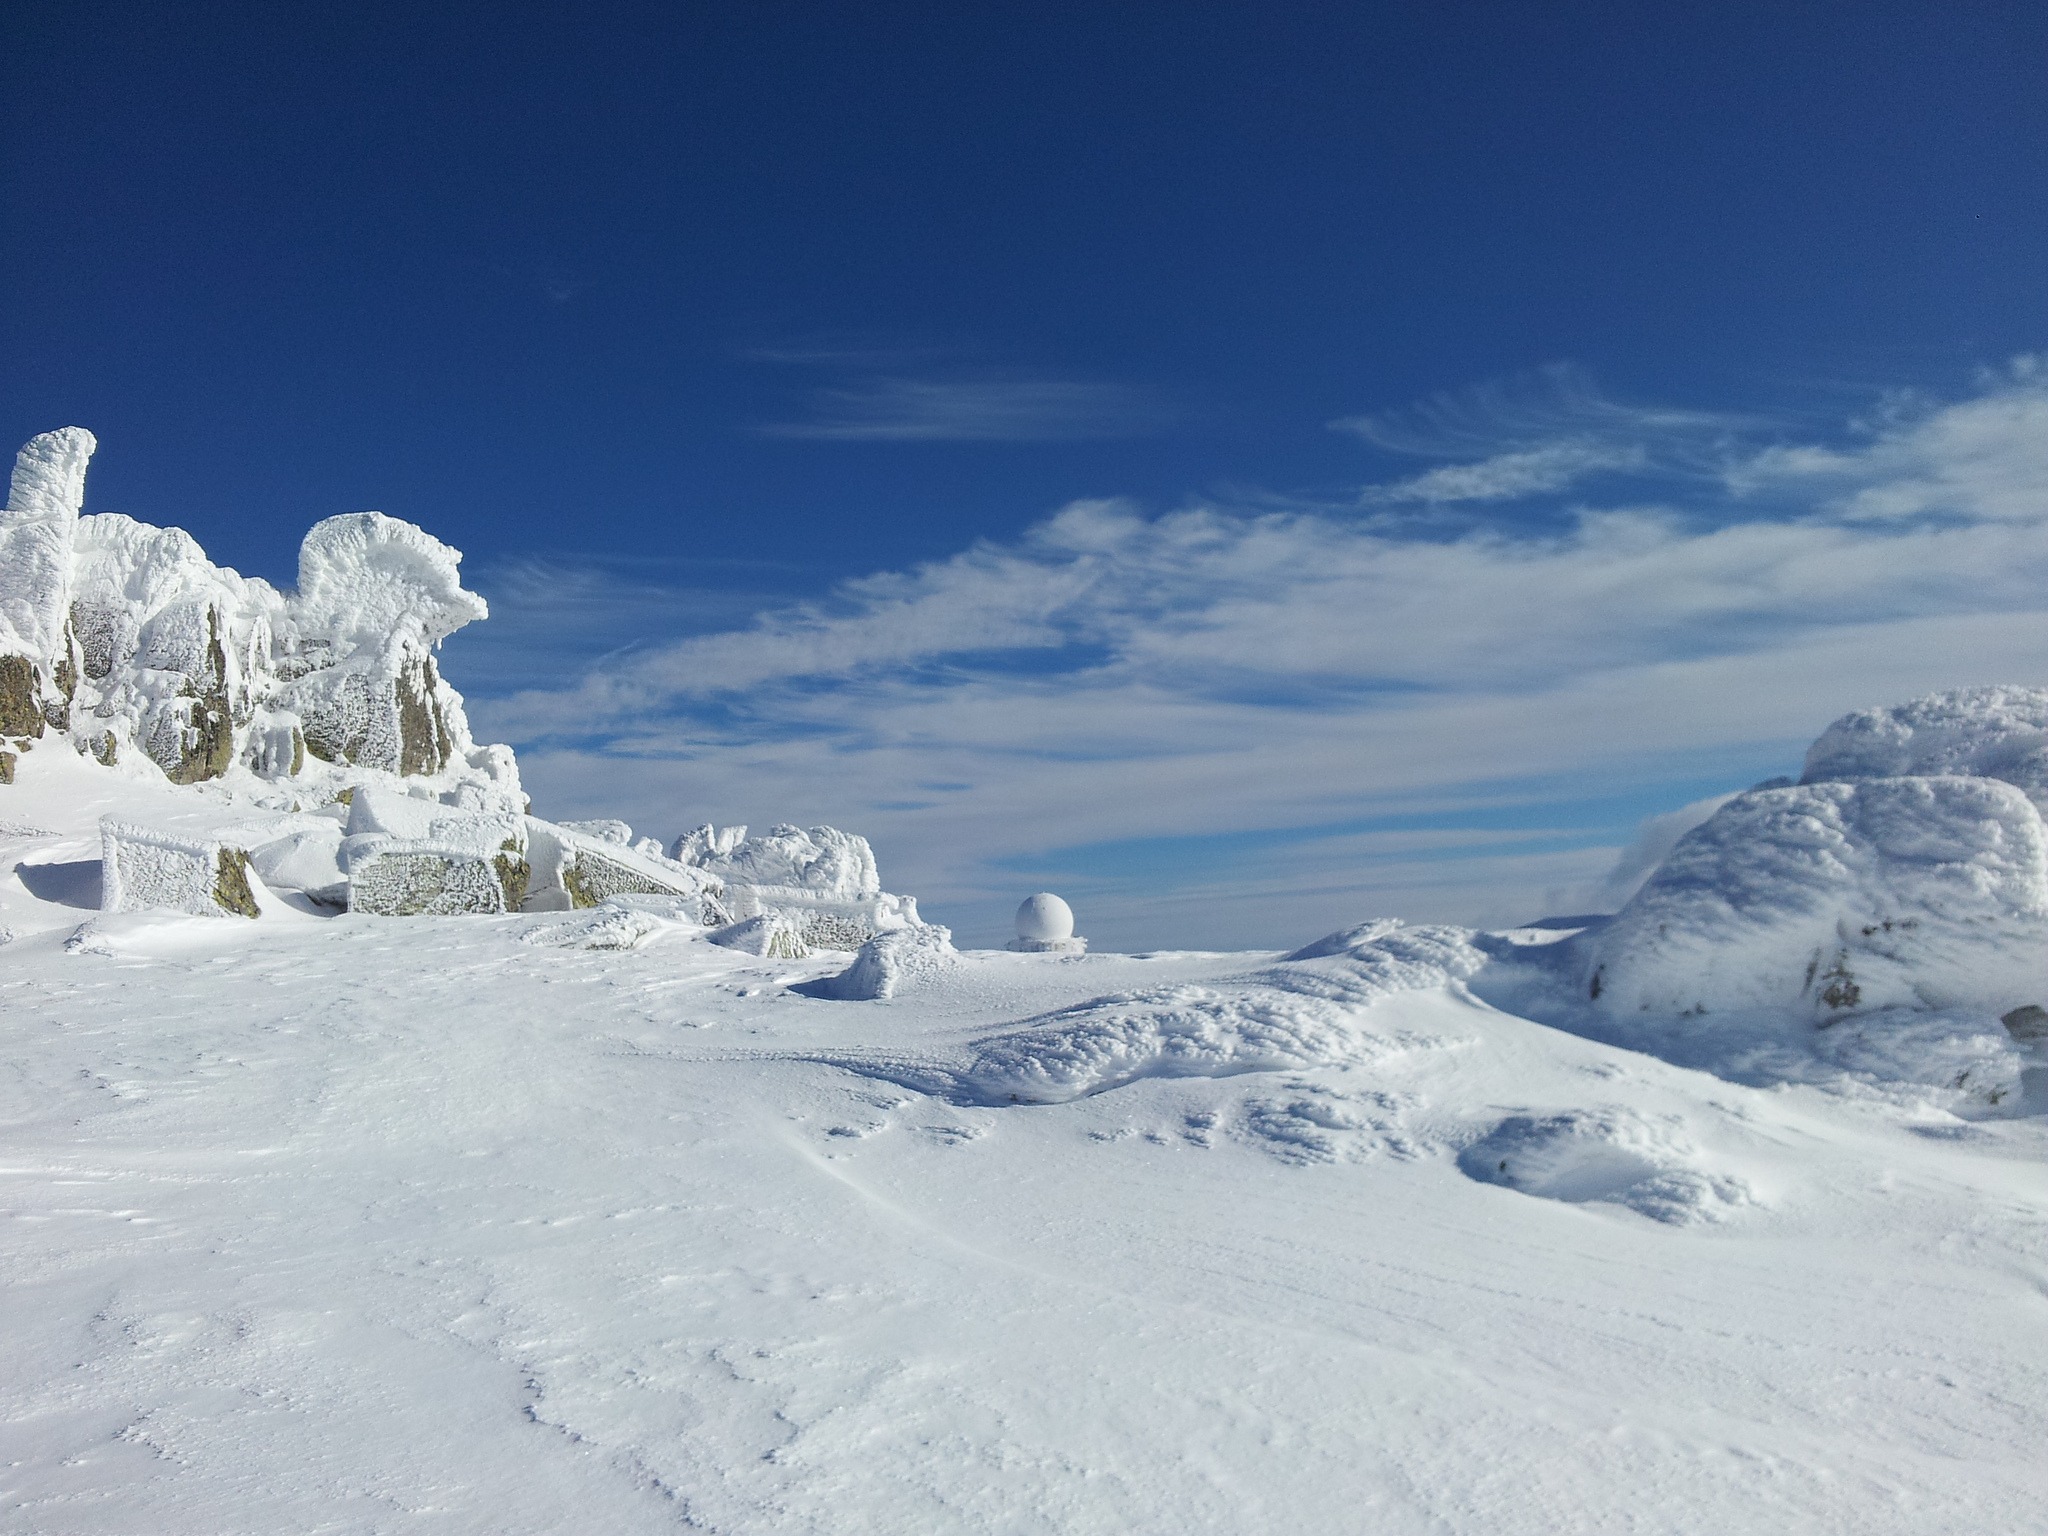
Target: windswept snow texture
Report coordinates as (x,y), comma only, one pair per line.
(1610,1154)
(1310,1010)
(577,1221)
(1997,733)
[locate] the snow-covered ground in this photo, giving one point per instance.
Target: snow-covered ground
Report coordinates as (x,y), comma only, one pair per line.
(576,1221)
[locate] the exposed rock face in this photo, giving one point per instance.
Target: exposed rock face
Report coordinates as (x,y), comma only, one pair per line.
(128,639)
(1910,871)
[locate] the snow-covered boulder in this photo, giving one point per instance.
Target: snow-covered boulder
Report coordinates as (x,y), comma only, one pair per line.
(146,868)
(1994,733)
(1864,889)
(408,856)
(375,597)
(821,881)
(574,869)
(771,936)
(891,962)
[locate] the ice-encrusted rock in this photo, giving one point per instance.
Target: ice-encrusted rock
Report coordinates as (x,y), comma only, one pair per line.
(769,935)
(1908,870)
(38,667)
(145,868)
(1834,898)
(573,869)
(820,862)
(822,881)
(891,962)
(407,856)
(1992,732)
(128,638)
(375,597)
(174,652)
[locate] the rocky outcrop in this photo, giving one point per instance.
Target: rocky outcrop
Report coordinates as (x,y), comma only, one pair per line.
(1909,872)
(128,640)
(821,884)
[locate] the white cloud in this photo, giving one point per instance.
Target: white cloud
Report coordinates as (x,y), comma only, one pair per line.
(906,410)
(1210,673)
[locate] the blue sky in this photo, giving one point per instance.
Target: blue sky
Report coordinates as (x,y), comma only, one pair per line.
(1248,467)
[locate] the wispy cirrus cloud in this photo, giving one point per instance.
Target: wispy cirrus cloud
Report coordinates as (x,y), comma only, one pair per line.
(1540,433)
(964,410)
(1244,706)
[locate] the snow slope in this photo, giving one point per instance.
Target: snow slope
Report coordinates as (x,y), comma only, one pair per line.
(581,1222)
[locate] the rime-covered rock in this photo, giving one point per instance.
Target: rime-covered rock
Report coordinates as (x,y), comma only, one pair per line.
(1864,889)
(821,862)
(821,882)
(38,667)
(573,869)
(890,962)
(1993,733)
(145,868)
(769,935)
(130,640)
(407,856)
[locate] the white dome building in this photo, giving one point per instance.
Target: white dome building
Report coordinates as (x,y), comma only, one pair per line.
(1045,926)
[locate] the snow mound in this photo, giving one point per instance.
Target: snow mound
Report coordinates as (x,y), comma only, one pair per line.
(890,962)
(608,928)
(1300,1013)
(1833,898)
(768,935)
(1311,1122)
(1610,1155)
(1993,733)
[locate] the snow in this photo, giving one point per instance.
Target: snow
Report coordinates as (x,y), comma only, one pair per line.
(607,1218)
(787,862)
(919,956)
(36,532)
(372,586)
(1824,899)
(1997,732)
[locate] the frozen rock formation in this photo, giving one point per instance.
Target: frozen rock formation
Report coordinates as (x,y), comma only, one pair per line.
(1045,925)
(142,868)
(771,936)
(822,882)
(130,641)
(408,857)
(38,663)
(573,869)
(1909,871)
(889,963)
